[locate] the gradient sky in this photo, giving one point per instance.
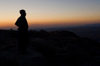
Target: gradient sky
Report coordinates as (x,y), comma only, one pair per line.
(50,12)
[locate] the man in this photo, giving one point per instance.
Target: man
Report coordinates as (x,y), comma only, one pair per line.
(22,25)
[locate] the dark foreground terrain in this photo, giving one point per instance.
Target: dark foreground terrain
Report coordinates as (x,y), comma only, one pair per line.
(54,48)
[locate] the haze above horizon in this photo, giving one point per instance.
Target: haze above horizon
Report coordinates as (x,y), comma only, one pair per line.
(48,13)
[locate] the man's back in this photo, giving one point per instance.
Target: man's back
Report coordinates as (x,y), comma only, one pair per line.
(22,23)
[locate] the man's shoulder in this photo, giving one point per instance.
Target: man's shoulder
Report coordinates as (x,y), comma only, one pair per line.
(19,17)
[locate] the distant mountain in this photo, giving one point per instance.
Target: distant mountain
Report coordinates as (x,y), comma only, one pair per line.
(91,31)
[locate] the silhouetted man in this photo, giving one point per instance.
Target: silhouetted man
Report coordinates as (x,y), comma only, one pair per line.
(22,25)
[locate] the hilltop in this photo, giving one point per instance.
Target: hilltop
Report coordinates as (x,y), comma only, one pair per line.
(58,48)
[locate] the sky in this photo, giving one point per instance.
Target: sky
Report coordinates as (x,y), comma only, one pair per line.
(49,13)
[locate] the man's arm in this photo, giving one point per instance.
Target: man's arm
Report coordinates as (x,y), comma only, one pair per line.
(17,22)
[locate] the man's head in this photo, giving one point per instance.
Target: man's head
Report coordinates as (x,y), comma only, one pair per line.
(22,12)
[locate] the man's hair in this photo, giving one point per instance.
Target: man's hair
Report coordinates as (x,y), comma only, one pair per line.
(22,11)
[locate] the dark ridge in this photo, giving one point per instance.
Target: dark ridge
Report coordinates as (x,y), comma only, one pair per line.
(49,48)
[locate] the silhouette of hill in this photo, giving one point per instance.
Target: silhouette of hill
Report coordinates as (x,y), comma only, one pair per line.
(91,31)
(58,48)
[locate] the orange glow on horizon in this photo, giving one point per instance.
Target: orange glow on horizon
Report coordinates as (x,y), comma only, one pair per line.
(57,21)
(47,22)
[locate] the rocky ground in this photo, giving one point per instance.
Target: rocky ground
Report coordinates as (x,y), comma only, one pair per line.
(58,48)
